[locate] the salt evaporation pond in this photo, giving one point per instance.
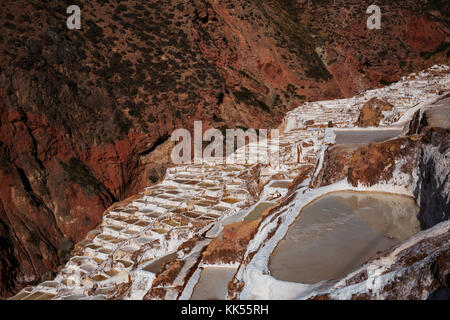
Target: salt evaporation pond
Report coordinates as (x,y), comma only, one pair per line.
(337,233)
(364,136)
(213,283)
(258,211)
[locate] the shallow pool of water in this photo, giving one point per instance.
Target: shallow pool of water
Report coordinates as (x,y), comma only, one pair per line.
(213,283)
(364,136)
(258,210)
(281,184)
(337,233)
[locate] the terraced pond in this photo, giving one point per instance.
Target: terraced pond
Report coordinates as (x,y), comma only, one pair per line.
(337,233)
(213,283)
(364,136)
(258,210)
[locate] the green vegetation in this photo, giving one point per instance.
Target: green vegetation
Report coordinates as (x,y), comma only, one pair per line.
(94,32)
(122,122)
(318,72)
(291,88)
(277,101)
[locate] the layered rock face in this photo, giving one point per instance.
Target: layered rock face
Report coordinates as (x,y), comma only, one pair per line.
(368,165)
(372,112)
(433,188)
(85,115)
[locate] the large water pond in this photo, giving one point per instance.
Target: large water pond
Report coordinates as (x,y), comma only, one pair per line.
(337,233)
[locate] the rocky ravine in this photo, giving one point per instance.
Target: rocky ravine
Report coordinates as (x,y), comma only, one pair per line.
(154,244)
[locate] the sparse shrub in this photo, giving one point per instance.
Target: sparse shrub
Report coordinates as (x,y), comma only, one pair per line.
(94,32)
(80,174)
(248,97)
(9,25)
(122,122)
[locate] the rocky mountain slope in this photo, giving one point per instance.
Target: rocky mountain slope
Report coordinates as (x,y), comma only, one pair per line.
(85,115)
